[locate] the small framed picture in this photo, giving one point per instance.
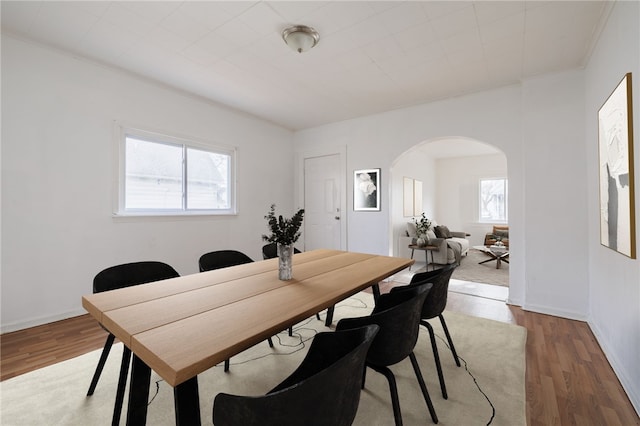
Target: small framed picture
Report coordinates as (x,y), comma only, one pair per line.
(366,190)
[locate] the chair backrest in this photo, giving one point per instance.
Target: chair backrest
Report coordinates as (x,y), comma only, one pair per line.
(130,274)
(270,251)
(222,259)
(398,316)
(436,302)
(323,390)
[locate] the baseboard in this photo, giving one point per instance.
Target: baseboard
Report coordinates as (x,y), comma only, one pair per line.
(33,322)
(626,381)
(555,312)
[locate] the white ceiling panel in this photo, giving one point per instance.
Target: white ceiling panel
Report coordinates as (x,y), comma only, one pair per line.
(373,56)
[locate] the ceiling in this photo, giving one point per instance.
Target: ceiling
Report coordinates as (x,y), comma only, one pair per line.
(373,56)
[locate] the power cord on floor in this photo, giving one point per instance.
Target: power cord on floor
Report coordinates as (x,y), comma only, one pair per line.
(466,367)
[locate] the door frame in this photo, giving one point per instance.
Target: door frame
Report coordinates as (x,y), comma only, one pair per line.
(341,152)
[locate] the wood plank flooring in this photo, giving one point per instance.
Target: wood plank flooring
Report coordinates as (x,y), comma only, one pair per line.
(568,379)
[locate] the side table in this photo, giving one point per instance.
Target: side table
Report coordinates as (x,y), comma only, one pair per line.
(427,250)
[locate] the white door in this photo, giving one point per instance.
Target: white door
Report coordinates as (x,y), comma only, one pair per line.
(322,215)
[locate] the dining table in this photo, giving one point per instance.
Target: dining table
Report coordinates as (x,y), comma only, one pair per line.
(181,327)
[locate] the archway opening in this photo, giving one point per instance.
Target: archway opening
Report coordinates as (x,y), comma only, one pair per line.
(443,178)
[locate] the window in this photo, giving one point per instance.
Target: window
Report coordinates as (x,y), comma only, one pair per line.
(493,200)
(164,175)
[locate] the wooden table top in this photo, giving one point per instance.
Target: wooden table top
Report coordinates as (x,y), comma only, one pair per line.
(183,326)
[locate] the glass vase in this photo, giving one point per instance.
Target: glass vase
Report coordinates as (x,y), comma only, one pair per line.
(285,261)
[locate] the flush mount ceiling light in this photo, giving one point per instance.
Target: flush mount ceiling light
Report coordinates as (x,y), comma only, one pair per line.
(300,37)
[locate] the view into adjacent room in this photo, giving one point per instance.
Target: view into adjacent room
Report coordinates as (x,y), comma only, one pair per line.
(462,184)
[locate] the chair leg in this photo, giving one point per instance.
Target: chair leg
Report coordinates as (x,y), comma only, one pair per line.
(393,388)
(446,332)
(101,362)
(270,342)
(364,376)
(122,384)
(436,357)
(329,318)
(226,365)
(290,331)
(318,316)
(423,386)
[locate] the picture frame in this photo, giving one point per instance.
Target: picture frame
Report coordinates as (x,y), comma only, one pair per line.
(366,190)
(616,180)
(408,197)
(417,197)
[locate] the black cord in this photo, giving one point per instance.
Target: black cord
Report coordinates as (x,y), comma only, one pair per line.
(157,391)
(466,367)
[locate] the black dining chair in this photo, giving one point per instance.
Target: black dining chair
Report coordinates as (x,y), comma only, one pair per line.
(434,306)
(398,316)
(323,390)
(222,259)
(121,276)
(270,251)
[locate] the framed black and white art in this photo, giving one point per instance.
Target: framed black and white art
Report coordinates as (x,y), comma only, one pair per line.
(366,190)
(615,145)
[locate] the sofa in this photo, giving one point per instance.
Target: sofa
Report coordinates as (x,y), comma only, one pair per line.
(452,245)
(499,233)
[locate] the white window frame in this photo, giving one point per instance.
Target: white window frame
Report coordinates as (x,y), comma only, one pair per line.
(506,200)
(121,133)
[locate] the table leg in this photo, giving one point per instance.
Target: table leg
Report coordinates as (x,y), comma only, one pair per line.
(376,291)
(488,260)
(329,319)
(411,259)
(187,403)
(502,258)
(138,392)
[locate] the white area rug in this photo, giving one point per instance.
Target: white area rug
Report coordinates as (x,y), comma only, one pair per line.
(488,389)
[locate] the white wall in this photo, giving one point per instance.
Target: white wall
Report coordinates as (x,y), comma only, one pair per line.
(458,192)
(58,175)
(614,279)
(555,195)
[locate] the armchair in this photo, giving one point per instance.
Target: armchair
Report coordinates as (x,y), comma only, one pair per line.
(500,233)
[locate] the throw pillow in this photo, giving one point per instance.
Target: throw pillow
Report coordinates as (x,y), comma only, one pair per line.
(502,233)
(442,231)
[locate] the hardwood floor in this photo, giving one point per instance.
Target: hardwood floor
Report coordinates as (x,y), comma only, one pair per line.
(568,379)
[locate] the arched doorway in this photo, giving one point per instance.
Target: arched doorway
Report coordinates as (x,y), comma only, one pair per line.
(449,171)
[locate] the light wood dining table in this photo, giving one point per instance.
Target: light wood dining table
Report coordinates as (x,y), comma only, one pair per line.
(183,326)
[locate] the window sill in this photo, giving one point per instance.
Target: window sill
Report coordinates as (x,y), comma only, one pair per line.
(141,215)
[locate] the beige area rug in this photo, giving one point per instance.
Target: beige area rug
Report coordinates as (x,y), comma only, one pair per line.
(488,388)
(470,269)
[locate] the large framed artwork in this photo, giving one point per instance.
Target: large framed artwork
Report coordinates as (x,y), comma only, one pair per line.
(366,190)
(615,144)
